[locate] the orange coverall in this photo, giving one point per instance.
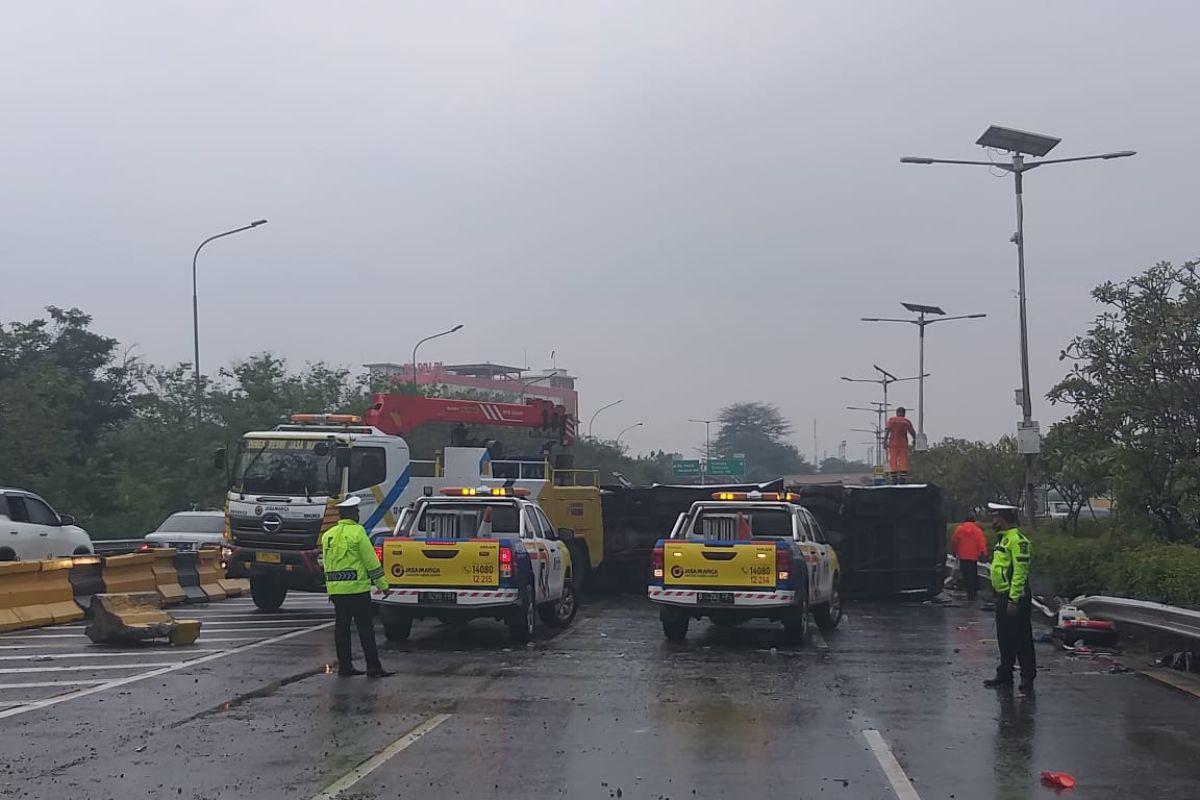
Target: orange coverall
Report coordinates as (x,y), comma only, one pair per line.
(898,430)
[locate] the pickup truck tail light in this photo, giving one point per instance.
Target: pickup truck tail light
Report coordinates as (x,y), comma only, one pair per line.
(506,562)
(656,563)
(783,563)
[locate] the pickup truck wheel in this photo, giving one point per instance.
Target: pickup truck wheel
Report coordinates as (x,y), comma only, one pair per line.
(523,619)
(674,624)
(7,554)
(268,595)
(581,568)
(828,615)
(795,624)
(560,613)
(397,626)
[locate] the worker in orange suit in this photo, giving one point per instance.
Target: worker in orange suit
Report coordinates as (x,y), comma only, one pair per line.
(969,546)
(895,439)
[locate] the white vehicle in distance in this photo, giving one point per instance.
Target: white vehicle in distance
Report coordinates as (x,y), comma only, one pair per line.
(188,530)
(30,529)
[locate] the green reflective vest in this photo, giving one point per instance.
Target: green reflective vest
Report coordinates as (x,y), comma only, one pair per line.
(1010,565)
(351,565)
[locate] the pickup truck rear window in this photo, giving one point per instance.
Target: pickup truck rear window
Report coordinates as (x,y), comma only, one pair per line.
(733,524)
(467,521)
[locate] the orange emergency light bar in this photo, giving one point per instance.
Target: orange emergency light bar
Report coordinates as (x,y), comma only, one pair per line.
(777,497)
(484,491)
(326,419)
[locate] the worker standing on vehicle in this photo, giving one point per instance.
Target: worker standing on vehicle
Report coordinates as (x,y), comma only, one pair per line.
(895,439)
(969,546)
(351,567)
(1010,580)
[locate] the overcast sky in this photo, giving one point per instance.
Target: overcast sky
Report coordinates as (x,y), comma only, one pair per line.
(691,202)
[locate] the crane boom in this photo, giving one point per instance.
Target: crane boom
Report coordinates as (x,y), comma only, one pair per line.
(400,414)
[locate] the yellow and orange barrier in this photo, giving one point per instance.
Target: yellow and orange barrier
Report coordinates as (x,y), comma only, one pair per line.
(165,578)
(36,593)
(130,573)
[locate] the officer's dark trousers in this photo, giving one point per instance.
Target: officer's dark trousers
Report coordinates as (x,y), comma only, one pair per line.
(1015,636)
(970,577)
(356,607)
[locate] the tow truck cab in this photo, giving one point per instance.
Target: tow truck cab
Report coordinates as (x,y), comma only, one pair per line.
(485,552)
(746,555)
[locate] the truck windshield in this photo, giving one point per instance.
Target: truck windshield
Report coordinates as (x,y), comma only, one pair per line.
(466,521)
(288,467)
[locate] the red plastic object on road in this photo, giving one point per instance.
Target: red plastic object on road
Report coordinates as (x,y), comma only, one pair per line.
(1059,780)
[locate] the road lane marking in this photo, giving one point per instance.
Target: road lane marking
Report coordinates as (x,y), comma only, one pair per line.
(46,685)
(154,673)
(84,667)
(379,759)
(901,785)
(158,652)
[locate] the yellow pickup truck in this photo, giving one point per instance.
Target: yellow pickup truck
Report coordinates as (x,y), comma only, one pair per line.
(746,555)
(476,553)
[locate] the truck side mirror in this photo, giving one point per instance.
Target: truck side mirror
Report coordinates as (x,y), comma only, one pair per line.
(220,458)
(566,534)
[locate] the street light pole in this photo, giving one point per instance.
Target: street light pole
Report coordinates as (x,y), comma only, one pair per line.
(455,329)
(602,408)
(538,379)
(196,351)
(1019,145)
(922,321)
(878,411)
(707,448)
(625,431)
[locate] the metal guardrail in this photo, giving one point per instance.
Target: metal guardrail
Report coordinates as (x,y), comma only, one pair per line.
(1173,620)
(1176,621)
(115,547)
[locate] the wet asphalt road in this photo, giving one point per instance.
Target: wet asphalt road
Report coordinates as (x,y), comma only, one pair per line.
(606,709)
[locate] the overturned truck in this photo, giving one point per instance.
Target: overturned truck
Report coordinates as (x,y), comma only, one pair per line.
(890,539)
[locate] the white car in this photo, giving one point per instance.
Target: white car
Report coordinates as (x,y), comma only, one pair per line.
(30,529)
(189,530)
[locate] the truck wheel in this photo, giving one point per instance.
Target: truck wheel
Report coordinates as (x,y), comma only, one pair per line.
(523,619)
(268,595)
(560,613)
(828,615)
(795,624)
(396,624)
(581,568)
(674,624)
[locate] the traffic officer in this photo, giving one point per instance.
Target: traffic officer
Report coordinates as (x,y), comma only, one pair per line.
(351,567)
(1010,581)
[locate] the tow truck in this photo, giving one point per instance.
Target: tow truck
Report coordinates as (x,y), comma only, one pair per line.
(286,482)
(476,552)
(746,555)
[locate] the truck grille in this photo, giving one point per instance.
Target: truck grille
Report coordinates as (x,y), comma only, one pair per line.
(291,534)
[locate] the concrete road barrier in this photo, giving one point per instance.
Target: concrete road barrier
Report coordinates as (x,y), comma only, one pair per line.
(208,567)
(19,596)
(136,617)
(189,578)
(130,573)
(55,593)
(86,576)
(166,578)
(235,587)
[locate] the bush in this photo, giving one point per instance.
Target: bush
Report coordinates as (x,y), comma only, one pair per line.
(1166,573)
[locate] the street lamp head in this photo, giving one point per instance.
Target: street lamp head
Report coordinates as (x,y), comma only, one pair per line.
(258,222)
(1120,154)
(456,328)
(915,160)
(976,316)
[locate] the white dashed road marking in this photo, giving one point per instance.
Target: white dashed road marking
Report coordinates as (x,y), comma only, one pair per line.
(379,759)
(901,785)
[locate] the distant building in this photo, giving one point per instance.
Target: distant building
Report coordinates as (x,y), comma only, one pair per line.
(510,383)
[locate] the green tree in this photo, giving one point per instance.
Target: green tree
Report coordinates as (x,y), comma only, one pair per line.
(760,432)
(972,474)
(1076,461)
(840,466)
(1135,379)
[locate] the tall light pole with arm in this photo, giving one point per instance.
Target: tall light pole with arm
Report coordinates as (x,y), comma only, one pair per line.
(707,423)
(1018,145)
(598,410)
(420,342)
(922,321)
(625,431)
(196,343)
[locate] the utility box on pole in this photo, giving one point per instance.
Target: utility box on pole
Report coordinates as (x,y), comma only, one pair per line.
(1029,438)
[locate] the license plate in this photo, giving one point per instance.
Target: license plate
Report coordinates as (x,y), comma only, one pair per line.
(716,598)
(437,597)
(185,547)
(268,558)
